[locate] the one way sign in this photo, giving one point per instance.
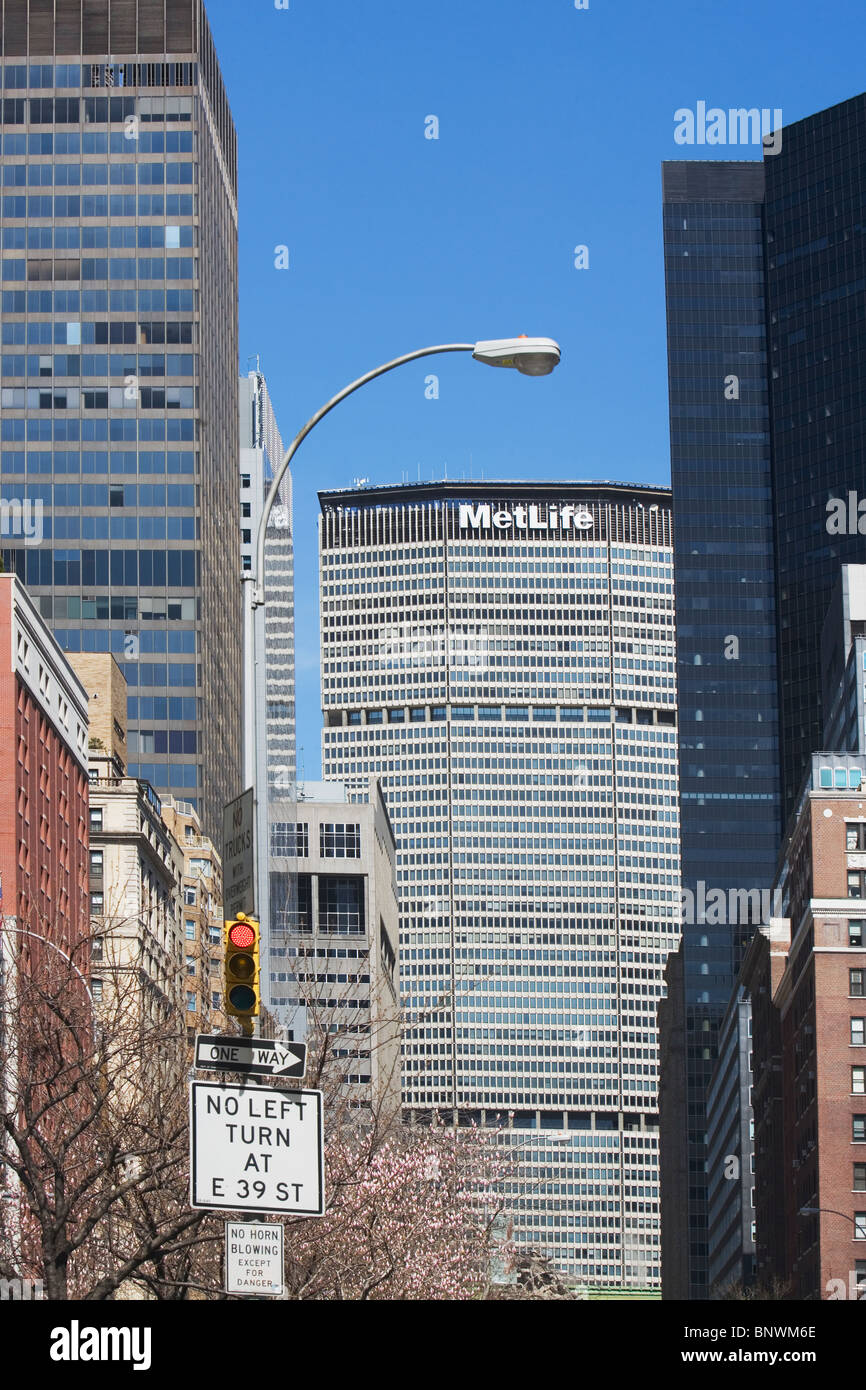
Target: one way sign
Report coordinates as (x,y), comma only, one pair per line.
(254,1056)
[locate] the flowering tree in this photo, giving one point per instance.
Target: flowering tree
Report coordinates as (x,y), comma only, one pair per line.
(408,1218)
(93,1129)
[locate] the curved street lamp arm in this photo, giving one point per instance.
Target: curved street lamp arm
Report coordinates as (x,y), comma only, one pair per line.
(22,931)
(258,597)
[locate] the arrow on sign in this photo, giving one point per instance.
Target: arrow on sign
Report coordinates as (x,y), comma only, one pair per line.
(287,1057)
(255,1056)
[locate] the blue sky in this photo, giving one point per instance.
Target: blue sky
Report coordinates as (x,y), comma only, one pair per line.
(552,125)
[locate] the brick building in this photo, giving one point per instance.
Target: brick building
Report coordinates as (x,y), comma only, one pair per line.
(811,1057)
(43,787)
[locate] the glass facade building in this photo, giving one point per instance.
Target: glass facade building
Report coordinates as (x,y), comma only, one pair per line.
(503,660)
(765,267)
(816,281)
(726,636)
(118,221)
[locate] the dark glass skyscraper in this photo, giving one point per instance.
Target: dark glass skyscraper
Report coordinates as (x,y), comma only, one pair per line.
(766,272)
(816,285)
(723,547)
(119,364)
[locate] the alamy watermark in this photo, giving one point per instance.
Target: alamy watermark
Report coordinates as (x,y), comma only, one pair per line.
(846,516)
(22,519)
(711,125)
(18,1290)
(411,644)
(731,907)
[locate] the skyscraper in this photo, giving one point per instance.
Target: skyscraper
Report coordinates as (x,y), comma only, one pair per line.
(765,266)
(816,339)
(119,364)
(501,655)
(261,454)
(726,637)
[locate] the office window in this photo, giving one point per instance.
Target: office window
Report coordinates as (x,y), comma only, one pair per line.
(855,982)
(858,1032)
(340,841)
(341,904)
(858,1129)
(290,839)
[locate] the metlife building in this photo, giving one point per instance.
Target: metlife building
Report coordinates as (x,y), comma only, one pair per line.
(503,659)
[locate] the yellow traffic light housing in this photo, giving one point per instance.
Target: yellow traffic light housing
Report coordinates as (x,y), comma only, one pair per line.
(241,969)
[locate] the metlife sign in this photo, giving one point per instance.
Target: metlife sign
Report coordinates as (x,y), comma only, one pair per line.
(482,517)
(256,1148)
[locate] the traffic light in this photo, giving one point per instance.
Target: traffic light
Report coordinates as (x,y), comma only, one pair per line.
(242,970)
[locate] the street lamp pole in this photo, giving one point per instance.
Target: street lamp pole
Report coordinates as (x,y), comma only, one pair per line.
(530,356)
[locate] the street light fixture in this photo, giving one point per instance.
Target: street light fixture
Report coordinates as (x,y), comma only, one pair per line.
(529,356)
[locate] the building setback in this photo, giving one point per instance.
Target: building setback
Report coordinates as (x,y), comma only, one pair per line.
(335,978)
(119,304)
(501,656)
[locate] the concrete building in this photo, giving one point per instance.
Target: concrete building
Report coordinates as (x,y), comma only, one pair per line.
(730,1153)
(334,935)
(43,782)
(673,1149)
(261,454)
(202,902)
(501,656)
(119,304)
(136,867)
(760,975)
